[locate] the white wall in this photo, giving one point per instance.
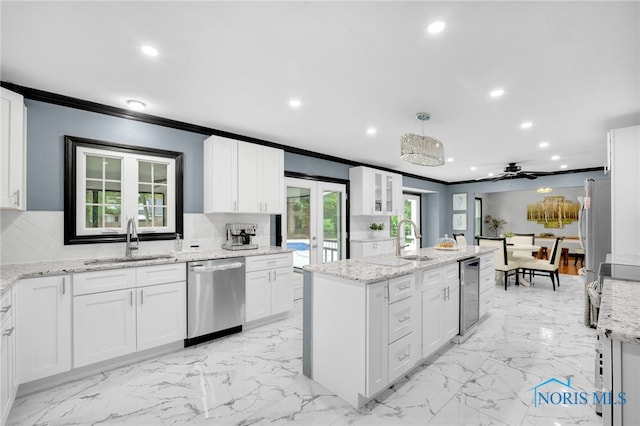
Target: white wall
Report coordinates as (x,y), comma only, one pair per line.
(512,207)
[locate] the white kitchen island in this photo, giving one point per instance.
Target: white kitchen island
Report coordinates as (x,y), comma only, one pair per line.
(367,322)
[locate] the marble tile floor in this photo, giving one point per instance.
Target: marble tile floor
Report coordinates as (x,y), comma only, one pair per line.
(531,335)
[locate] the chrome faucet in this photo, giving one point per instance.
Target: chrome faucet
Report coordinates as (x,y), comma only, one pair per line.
(132,238)
(416,232)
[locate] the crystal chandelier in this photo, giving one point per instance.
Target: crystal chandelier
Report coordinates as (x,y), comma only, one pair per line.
(421,150)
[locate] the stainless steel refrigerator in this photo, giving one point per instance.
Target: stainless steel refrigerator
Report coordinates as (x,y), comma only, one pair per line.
(594,228)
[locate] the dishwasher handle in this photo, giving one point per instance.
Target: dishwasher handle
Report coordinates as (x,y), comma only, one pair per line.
(201,269)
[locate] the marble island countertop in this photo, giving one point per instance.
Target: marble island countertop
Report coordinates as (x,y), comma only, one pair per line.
(619,316)
(10,274)
(369,270)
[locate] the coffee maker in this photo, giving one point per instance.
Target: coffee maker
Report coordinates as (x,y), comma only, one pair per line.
(239,236)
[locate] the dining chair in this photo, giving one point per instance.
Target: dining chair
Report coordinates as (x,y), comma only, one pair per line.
(460,239)
(523,239)
(544,266)
(504,264)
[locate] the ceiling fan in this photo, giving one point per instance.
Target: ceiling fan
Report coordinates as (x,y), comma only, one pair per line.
(515,171)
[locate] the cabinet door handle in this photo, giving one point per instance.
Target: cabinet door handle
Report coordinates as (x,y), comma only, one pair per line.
(17,203)
(8,332)
(141,297)
(403,357)
(64,285)
(5,309)
(235,206)
(448,293)
(265,207)
(404,318)
(386,292)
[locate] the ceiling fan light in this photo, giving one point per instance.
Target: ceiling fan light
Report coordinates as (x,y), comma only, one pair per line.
(542,190)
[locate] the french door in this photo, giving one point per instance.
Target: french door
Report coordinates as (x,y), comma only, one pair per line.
(315,218)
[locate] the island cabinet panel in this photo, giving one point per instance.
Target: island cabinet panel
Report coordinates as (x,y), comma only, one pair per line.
(374,323)
(487,284)
(440,307)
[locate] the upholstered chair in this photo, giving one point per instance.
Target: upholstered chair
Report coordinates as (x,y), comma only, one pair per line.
(504,264)
(546,266)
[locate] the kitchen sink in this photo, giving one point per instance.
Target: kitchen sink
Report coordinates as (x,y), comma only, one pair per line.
(125,259)
(416,257)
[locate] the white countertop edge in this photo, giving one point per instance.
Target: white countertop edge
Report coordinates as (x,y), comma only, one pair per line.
(619,316)
(10,274)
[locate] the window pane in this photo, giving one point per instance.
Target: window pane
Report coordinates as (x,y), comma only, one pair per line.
(144,171)
(94,167)
(112,216)
(160,193)
(144,190)
(94,216)
(112,169)
(159,173)
(160,216)
(112,193)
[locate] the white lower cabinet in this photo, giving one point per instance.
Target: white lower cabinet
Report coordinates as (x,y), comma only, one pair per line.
(104,326)
(8,372)
(161,318)
(114,323)
(440,307)
(44,327)
(268,285)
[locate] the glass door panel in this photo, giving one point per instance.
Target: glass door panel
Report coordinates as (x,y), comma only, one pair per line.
(389,193)
(377,192)
(332,248)
(298,224)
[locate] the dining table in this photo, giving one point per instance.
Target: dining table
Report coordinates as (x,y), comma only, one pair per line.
(526,249)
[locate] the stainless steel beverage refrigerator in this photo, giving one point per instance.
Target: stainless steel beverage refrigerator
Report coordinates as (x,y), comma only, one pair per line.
(594,227)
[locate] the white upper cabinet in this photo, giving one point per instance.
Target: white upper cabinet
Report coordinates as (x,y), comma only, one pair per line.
(241,177)
(13,152)
(624,156)
(374,192)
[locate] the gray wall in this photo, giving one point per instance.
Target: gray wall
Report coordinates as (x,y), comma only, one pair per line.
(47,124)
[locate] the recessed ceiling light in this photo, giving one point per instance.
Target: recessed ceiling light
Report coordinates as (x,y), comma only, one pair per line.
(472,168)
(136,105)
(371,131)
(563,166)
(496,93)
(526,125)
(450,160)
(149,50)
(543,144)
(436,27)
(490,174)
(295,103)
(555,157)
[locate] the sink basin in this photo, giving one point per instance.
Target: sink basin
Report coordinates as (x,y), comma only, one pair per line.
(416,257)
(128,259)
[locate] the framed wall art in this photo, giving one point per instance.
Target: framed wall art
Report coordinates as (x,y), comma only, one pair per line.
(459,221)
(460,201)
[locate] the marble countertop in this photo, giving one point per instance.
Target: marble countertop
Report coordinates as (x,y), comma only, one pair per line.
(368,240)
(619,316)
(10,274)
(362,270)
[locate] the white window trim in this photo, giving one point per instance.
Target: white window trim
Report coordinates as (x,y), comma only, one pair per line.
(129,196)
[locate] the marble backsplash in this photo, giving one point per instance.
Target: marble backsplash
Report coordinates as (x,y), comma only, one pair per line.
(35,236)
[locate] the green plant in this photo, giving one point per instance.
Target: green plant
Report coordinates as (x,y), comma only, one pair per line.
(494,223)
(376,226)
(508,234)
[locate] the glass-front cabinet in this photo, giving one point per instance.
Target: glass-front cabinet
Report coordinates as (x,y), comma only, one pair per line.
(375,192)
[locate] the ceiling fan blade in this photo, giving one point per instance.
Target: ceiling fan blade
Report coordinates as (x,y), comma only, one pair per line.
(528,175)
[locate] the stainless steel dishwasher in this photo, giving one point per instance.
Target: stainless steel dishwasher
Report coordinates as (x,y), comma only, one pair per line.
(215,299)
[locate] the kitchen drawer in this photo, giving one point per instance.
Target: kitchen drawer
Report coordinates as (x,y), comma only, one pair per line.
(487,282)
(161,274)
(486,262)
(270,261)
(402,317)
(401,356)
(401,287)
(452,272)
(106,280)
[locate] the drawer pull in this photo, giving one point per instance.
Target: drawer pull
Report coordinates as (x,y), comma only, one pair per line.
(8,332)
(403,357)
(404,287)
(5,309)
(404,318)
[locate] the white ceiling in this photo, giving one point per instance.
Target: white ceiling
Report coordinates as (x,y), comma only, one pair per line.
(572,68)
